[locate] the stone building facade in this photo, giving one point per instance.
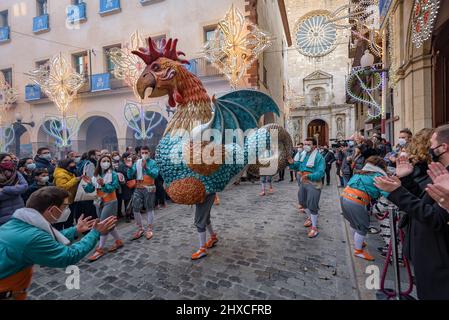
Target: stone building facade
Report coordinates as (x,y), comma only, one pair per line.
(317,66)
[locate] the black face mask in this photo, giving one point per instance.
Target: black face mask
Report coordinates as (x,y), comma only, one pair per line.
(72,169)
(435,157)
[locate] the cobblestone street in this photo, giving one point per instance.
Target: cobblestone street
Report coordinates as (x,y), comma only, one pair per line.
(263,253)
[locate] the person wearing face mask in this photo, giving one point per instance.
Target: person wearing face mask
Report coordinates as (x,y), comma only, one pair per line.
(144,171)
(127,192)
(43,160)
(405,136)
(65,178)
(12,186)
(26,167)
(311,166)
(105,183)
(29,239)
(41,179)
(426,221)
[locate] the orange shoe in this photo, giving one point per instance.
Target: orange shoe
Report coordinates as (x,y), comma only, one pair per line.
(199,254)
(313,232)
(117,245)
(149,234)
(137,235)
(97,255)
(308,223)
(363,254)
(271,191)
(212,241)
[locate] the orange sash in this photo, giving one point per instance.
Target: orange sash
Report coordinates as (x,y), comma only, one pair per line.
(147,181)
(106,197)
(356,195)
(17,283)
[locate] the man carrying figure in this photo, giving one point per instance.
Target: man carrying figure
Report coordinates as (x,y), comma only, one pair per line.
(144,171)
(311,169)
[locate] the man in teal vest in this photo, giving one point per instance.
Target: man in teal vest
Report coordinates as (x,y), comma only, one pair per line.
(28,238)
(311,168)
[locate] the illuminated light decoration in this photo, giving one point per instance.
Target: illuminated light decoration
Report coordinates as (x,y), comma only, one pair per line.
(365,12)
(392,73)
(363,77)
(425,13)
(315,37)
(8,96)
(62,129)
(141,120)
(235,45)
(128,66)
(61,84)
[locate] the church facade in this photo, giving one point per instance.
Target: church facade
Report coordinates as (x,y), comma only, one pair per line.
(317,66)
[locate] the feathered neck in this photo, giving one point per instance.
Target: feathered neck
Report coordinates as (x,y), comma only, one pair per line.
(194,106)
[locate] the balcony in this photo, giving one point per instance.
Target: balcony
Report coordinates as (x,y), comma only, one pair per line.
(109,7)
(203,68)
(101,82)
(76,13)
(41,24)
(4,34)
(148,2)
(33,92)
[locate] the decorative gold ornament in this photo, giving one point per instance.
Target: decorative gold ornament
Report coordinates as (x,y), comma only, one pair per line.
(8,96)
(128,66)
(59,82)
(235,45)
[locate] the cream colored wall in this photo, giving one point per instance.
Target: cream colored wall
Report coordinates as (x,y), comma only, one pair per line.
(412,95)
(269,19)
(175,18)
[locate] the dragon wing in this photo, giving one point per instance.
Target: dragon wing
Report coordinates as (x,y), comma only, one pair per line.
(241,109)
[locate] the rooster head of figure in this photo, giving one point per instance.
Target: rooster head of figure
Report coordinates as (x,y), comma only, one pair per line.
(165,73)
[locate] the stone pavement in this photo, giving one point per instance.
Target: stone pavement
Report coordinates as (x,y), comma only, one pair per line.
(263,253)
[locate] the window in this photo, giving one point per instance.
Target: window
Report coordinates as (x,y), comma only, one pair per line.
(209,32)
(77,2)
(80,63)
(42,7)
(7,73)
(4,18)
(110,66)
(43,63)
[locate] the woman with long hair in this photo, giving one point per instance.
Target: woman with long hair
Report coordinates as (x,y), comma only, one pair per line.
(357,196)
(12,186)
(105,183)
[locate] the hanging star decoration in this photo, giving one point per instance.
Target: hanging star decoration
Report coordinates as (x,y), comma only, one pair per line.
(235,45)
(59,82)
(8,96)
(129,67)
(425,13)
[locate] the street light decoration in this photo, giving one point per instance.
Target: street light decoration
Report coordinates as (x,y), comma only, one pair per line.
(61,84)
(59,81)
(8,96)
(141,121)
(129,67)
(425,13)
(235,45)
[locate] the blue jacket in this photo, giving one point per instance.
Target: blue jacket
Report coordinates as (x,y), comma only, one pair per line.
(151,170)
(365,183)
(11,198)
(23,245)
(318,170)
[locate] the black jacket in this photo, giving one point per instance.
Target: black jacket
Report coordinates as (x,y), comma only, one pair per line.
(329,158)
(428,243)
(45,164)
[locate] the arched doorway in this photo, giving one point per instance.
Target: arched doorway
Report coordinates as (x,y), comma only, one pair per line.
(157,124)
(320,130)
(96,132)
(44,140)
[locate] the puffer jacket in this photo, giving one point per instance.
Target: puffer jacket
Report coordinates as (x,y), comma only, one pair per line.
(11,198)
(67,181)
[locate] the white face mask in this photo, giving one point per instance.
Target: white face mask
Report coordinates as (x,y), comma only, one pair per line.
(105,165)
(117,158)
(300,149)
(402,141)
(77,159)
(307,148)
(64,216)
(44,179)
(144,156)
